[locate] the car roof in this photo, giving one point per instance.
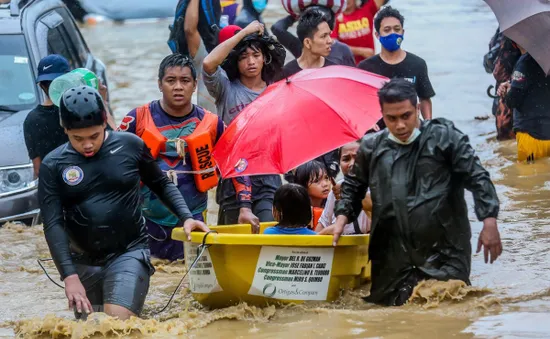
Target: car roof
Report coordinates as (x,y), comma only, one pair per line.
(9,24)
(10,17)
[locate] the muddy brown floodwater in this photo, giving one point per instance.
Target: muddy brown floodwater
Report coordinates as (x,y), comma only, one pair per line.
(510,298)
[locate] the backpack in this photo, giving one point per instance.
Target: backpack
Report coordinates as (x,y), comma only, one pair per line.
(209,18)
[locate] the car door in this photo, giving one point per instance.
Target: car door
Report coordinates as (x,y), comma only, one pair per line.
(80,47)
(53,38)
(57,33)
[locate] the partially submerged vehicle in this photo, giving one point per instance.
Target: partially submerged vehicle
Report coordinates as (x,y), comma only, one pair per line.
(237,266)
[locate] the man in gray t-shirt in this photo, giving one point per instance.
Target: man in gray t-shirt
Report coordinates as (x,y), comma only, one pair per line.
(252,62)
(231,97)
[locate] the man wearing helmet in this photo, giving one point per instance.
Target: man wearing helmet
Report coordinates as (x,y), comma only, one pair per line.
(89,197)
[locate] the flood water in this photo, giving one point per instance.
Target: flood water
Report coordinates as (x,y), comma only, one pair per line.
(452,37)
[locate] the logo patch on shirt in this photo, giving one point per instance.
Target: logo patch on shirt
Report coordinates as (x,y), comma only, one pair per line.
(125,123)
(411,80)
(518,76)
(241,165)
(73,175)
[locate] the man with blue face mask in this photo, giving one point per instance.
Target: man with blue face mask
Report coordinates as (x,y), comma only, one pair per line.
(394,62)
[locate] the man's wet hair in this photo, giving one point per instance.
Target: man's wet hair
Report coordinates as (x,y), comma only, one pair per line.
(387,12)
(292,202)
(397,90)
(327,12)
(311,171)
(309,23)
(241,48)
(176,60)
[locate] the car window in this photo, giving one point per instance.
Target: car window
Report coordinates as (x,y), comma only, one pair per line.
(17,85)
(57,44)
(59,40)
(77,43)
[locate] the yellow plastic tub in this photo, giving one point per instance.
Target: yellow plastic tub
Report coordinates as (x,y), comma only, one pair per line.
(272,269)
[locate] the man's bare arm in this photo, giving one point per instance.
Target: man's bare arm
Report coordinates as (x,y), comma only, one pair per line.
(426,108)
(218,54)
(36,166)
(190,27)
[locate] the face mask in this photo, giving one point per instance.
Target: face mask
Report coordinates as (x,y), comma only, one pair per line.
(259,5)
(414,135)
(391,42)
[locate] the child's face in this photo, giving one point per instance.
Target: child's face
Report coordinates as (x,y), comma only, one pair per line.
(347,157)
(320,188)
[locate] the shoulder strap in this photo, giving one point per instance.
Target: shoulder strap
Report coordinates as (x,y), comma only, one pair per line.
(143,118)
(209,123)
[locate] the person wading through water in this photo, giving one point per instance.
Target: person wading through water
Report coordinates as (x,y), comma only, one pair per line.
(89,198)
(417,173)
(181,137)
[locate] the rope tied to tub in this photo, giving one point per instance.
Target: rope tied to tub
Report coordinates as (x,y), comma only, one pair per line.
(200,250)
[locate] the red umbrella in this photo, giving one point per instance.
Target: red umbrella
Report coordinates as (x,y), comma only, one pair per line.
(298,119)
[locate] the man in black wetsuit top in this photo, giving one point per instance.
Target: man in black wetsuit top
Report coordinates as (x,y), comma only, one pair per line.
(89,198)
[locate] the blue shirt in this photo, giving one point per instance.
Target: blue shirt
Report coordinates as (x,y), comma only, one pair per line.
(289,230)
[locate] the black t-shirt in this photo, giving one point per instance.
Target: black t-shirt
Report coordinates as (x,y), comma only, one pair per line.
(413,68)
(292,67)
(43,131)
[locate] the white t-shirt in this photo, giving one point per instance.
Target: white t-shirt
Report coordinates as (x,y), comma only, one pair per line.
(328,218)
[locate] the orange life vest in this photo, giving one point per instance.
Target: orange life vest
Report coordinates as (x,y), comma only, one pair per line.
(199,144)
(317,212)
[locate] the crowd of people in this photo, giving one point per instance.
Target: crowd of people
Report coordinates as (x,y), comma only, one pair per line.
(110,199)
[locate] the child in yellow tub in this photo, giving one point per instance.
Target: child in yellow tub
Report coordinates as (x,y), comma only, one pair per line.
(292,210)
(313,176)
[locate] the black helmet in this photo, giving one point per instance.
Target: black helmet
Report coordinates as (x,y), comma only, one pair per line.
(82,107)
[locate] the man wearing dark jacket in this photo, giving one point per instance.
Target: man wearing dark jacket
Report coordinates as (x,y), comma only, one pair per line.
(417,173)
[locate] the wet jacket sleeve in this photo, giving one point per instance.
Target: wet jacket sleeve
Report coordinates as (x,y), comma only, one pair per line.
(287,39)
(243,188)
(476,179)
(356,183)
(51,208)
(520,84)
(166,191)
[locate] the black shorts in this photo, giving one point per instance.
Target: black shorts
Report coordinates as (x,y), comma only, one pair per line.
(123,281)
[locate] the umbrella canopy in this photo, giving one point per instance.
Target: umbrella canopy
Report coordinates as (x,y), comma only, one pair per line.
(527,23)
(298,119)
